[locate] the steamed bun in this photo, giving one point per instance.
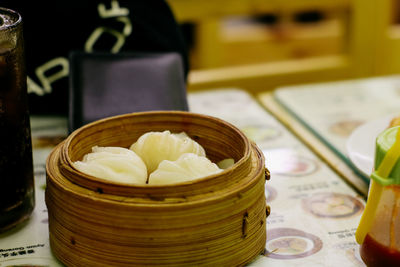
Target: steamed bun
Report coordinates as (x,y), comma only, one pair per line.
(187,167)
(154,147)
(114,164)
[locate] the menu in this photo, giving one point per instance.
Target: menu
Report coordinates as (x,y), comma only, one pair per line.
(314,212)
(326,114)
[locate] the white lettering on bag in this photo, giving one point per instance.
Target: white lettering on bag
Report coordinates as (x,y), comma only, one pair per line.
(115,11)
(46,81)
(42,72)
(34,87)
(121,16)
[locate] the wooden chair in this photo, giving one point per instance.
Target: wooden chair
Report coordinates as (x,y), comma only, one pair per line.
(358,57)
(387,24)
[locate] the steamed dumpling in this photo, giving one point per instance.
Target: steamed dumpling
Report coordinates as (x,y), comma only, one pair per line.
(154,147)
(226,163)
(114,164)
(188,167)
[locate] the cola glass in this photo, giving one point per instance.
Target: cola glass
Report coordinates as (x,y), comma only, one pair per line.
(16,165)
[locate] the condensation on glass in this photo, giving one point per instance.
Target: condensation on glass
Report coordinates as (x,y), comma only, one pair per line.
(16,165)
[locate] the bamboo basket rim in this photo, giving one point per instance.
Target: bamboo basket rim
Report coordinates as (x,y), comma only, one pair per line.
(87,193)
(101,182)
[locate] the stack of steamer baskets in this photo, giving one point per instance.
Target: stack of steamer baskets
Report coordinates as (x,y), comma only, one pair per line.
(218,220)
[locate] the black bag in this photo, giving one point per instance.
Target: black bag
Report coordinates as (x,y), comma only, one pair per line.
(53,29)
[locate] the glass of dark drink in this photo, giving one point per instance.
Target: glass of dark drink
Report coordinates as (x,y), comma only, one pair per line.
(17,198)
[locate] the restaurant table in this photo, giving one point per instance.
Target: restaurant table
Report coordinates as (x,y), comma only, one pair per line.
(314,210)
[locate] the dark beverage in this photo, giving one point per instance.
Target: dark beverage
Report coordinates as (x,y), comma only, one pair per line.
(16,167)
(374,253)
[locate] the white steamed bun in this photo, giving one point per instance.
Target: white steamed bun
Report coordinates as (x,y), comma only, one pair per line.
(154,147)
(114,164)
(187,167)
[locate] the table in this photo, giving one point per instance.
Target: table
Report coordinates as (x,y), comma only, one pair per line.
(314,212)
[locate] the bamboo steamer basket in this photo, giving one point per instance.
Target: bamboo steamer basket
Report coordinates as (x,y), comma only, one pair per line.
(219,220)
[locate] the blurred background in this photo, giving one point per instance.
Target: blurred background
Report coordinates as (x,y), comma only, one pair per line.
(261,44)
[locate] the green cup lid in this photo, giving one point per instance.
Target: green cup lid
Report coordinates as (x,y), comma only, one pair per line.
(387,153)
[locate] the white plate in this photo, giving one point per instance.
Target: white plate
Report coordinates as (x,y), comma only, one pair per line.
(361,143)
